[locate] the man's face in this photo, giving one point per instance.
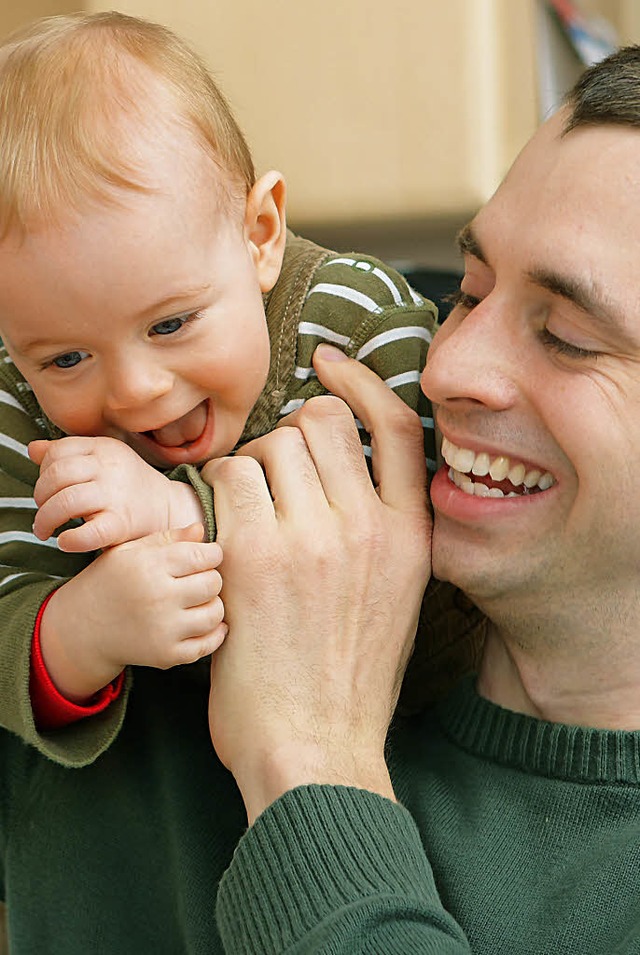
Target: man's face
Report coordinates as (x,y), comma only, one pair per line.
(142,321)
(536,376)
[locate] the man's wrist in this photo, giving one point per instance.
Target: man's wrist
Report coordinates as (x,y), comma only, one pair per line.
(292,765)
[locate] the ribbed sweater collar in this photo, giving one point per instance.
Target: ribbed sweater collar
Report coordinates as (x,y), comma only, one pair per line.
(574,753)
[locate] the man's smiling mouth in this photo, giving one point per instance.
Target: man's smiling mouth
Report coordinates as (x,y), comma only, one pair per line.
(482,476)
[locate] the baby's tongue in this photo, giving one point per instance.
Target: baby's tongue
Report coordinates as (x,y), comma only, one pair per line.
(184,430)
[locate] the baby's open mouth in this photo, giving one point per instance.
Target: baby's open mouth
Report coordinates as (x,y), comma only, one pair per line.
(184,430)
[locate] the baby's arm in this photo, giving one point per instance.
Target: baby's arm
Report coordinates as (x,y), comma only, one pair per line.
(31,570)
(150,602)
(152,598)
(103,481)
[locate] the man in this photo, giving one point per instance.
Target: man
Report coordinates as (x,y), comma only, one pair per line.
(507,819)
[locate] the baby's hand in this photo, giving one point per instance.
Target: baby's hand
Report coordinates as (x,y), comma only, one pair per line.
(150,602)
(103,481)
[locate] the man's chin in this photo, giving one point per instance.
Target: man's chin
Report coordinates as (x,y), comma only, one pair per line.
(472,569)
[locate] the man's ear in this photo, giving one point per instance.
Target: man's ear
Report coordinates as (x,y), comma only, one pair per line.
(265,227)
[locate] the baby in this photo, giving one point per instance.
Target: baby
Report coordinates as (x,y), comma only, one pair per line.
(156,313)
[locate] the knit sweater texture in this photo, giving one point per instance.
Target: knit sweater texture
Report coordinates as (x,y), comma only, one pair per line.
(514,837)
(511,837)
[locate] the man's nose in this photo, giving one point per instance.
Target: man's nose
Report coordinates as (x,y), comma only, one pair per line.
(475,357)
(134,383)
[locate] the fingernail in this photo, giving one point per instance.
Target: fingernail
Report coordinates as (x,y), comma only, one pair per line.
(329,353)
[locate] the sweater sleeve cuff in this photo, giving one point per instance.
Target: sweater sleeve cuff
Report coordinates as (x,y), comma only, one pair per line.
(51,710)
(329,864)
(189,474)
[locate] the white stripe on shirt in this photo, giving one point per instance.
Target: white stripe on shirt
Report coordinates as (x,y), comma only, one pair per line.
(351,294)
(397,297)
(321,331)
(393,335)
(292,405)
(7,399)
(14,445)
(405,378)
(374,270)
(343,260)
(6,580)
(304,373)
(27,573)
(11,537)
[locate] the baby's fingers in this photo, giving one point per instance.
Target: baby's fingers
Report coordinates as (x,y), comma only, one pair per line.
(57,476)
(103,528)
(194,648)
(98,532)
(62,507)
(68,458)
(200,588)
(37,450)
(185,551)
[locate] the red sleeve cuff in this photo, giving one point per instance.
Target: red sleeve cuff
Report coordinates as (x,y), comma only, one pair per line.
(51,709)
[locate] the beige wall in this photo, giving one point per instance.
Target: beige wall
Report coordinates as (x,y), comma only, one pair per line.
(377,112)
(630,21)
(16,13)
(624,14)
(370,108)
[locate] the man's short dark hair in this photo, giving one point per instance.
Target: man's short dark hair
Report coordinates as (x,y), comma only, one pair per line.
(608,92)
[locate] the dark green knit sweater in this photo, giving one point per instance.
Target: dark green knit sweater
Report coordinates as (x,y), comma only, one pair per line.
(514,837)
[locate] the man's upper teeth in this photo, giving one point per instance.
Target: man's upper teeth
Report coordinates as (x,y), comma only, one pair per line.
(501,468)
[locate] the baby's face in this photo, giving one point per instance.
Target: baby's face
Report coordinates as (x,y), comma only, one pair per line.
(142,321)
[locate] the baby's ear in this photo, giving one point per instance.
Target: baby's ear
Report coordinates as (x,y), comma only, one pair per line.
(265,227)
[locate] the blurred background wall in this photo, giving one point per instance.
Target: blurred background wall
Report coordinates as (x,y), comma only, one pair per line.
(392,122)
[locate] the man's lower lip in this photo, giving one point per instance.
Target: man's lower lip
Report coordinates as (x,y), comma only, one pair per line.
(192,453)
(456,503)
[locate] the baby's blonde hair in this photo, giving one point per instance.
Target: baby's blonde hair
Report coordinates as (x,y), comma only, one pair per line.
(66,83)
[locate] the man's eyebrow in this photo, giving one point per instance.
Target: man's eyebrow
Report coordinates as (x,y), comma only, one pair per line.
(468,244)
(584,295)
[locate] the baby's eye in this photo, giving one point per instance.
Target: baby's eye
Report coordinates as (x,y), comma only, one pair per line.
(69,359)
(170,325)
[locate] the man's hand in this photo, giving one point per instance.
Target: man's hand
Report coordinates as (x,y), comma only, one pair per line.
(152,602)
(102,480)
(323,579)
